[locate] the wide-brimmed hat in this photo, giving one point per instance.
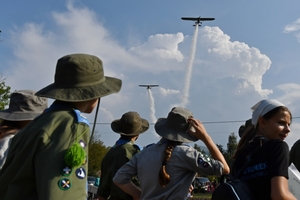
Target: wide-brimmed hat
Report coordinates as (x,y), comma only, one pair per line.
(175,126)
(130,124)
(80,77)
(24,105)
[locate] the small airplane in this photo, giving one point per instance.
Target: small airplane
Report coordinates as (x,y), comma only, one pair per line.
(149,86)
(198,20)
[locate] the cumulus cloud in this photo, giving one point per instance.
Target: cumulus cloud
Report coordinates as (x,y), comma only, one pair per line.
(164,46)
(224,58)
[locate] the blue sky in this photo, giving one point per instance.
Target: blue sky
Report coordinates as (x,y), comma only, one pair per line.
(248,53)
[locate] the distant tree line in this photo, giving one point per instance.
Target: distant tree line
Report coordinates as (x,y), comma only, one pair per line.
(97,151)
(4,93)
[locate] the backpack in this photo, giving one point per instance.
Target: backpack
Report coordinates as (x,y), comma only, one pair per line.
(236,189)
(233,190)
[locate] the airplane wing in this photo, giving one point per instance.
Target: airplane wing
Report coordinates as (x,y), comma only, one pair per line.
(198,18)
(148,85)
(207,19)
(190,18)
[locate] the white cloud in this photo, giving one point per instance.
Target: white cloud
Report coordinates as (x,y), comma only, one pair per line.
(164,46)
(295,26)
(224,58)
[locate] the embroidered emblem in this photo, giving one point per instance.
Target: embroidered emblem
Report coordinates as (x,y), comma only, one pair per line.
(205,158)
(82,143)
(64,184)
(66,171)
(80,173)
(205,164)
(200,160)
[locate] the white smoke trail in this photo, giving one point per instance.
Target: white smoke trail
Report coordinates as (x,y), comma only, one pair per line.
(152,111)
(187,79)
(152,107)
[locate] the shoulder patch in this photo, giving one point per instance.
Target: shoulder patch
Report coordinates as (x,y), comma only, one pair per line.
(81,118)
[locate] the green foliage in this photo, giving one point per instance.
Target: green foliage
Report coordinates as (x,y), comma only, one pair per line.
(231,145)
(4,94)
(231,148)
(97,150)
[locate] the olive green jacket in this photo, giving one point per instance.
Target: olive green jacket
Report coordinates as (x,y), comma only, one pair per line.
(35,165)
(115,158)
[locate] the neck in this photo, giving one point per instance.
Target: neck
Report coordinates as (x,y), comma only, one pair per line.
(259,133)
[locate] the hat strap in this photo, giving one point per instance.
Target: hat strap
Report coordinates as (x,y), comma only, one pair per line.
(95,120)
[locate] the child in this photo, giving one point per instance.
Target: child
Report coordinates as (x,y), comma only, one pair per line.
(262,146)
(129,126)
(47,159)
(166,170)
(24,106)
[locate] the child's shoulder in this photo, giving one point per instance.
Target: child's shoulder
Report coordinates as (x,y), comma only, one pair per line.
(62,113)
(184,148)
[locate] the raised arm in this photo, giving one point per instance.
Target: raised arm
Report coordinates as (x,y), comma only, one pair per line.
(200,133)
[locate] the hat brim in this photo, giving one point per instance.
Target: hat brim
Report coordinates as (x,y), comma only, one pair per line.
(116,127)
(17,116)
(77,94)
(165,131)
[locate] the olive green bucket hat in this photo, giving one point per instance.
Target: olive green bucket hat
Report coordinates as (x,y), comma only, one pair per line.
(130,124)
(175,127)
(80,77)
